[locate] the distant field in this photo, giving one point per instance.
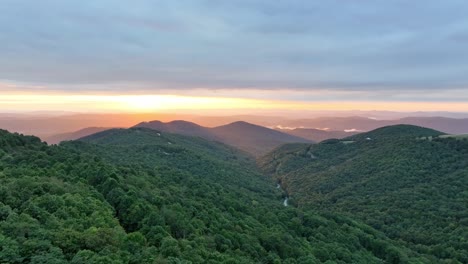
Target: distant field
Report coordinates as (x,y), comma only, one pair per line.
(455,136)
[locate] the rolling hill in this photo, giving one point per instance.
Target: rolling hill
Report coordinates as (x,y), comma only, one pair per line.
(254,139)
(180,127)
(403,180)
(409,132)
(141,196)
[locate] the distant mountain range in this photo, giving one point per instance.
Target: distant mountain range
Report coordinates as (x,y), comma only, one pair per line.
(254,139)
(46,125)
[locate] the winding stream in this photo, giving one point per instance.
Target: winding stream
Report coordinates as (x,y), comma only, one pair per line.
(285,201)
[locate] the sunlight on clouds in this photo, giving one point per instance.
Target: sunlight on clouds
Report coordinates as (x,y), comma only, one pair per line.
(163,103)
(166,102)
(122,103)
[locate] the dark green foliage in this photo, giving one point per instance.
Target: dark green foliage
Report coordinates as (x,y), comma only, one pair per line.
(395,179)
(135,198)
(397,131)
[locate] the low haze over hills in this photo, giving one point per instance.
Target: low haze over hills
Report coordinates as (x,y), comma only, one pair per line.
(361,124)
(63,127)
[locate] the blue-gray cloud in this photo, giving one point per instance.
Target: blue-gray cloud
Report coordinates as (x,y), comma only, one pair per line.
(360,45)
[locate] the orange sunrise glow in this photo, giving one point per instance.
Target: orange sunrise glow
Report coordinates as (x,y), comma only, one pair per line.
(146,103)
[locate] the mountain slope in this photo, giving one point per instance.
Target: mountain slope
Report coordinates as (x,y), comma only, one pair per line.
(411,188)
(125,197)
(397,131)
(252,138)
(256,140)
(180,127)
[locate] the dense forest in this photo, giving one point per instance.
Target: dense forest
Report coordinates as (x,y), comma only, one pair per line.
(409,182)
(141,196)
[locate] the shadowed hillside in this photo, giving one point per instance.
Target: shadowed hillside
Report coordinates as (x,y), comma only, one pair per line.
(252,138)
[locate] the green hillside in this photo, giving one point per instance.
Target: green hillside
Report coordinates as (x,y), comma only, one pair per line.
(414,190)
(135,198)
(397,131)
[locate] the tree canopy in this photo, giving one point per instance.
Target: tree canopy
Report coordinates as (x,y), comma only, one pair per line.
(405,181)
(128,196)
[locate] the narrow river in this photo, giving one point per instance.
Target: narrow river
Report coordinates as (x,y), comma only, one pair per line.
(285,201)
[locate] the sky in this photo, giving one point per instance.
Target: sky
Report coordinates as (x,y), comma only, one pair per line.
(106,55)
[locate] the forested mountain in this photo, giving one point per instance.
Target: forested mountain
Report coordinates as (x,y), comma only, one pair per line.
(142,196)
(257,140)
(181,127)
(254,139)
(403,180)
(317,135)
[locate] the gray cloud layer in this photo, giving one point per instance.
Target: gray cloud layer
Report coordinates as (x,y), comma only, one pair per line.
(360,45)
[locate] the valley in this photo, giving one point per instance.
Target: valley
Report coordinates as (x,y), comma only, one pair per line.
(155,196)
(114,196)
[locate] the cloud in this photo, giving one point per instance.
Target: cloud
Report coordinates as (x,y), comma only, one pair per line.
(408,47)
